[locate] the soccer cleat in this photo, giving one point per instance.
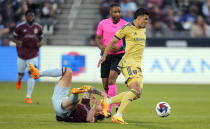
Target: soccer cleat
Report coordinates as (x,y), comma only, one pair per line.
(81,89)
(118,120)
(34,71)
(105,106)
(28,100)
(18,84)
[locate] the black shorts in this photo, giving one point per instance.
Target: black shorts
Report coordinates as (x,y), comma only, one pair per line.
(110,63)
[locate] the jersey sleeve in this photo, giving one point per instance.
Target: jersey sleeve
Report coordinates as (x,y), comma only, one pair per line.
(17,31)
(41,35)
(99,31)
(121,33)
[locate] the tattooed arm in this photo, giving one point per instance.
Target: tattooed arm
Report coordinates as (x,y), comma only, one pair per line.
(97,91)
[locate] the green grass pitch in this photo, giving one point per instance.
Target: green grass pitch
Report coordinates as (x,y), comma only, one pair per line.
(190,108)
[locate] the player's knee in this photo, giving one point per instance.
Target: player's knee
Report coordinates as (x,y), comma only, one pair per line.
(68,72)
(112,77)
(111,81)
(135,86)
(137,94)
(29,74)
(20,74)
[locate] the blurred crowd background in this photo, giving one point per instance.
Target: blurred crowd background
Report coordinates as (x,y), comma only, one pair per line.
(12,12)
(168,18)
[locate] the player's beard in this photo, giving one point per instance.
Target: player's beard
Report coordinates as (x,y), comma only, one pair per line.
(116,20)
(31,22)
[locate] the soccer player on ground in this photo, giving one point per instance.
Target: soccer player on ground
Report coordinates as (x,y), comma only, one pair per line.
(28,36)
(130,64)
(68,109)
(106,31)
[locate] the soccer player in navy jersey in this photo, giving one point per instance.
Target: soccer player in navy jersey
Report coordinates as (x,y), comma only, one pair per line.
(28,36)
(68,109)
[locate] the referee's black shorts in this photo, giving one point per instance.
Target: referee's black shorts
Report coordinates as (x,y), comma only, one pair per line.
(110,63)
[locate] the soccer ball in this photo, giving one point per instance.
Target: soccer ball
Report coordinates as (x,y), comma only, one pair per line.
(163,109)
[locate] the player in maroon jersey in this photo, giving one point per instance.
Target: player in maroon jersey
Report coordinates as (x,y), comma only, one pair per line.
(28,36)
(68,109)
(83,112)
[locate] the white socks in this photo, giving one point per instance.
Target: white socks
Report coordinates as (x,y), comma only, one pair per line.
(109,101)
(118,114)
(30,86)
(56,72)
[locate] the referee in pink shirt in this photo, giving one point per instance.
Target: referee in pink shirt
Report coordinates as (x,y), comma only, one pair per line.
(105,32)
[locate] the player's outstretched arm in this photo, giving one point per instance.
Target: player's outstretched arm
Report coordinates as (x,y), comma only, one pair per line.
(97,91)
(107,50)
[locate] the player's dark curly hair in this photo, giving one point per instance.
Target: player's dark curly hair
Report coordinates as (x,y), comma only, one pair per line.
(114,5)
(99,117)
(29,11)
(140,12)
